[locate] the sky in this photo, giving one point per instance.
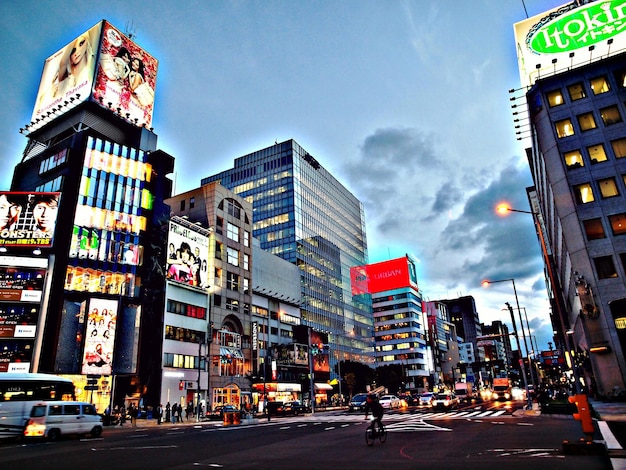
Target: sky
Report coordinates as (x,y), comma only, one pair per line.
(406,102)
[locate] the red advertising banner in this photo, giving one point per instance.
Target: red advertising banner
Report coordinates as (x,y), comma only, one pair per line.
(387,275)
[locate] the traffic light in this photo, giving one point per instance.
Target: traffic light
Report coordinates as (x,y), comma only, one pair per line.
(584,414)
(181,385)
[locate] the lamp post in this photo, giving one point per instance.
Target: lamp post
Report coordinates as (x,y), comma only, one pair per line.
(504,209)
(519,348)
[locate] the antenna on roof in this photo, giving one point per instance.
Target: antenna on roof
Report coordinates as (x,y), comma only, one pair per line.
(129,29)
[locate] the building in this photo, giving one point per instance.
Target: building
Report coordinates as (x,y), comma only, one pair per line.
(400,324)
(302,214)
(574,89)
(464,317)
(99,315)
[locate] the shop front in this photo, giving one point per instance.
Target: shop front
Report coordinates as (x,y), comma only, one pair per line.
(275,391)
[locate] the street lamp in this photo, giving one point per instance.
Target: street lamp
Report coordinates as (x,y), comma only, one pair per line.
(504,209)
(519,348)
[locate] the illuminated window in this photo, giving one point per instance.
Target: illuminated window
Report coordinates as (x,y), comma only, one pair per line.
(599,85)
(586,121)
(573,159)
(555,98)
(619,147)
(583,193)
(232,232)
(232,256)
(596,153)
(576,91)
(594,229)
(618,223)
(564,128)
(608,188)
(610,115)
(605,267)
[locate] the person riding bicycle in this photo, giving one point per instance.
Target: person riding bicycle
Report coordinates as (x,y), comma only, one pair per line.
(372,404)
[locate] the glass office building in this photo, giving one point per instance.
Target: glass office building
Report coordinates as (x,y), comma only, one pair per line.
(304,215)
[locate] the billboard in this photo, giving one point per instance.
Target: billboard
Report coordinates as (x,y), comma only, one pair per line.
(68,73)
(125,77)
(28,219)
(387,275)
(569,36)
(100,337)
(101,65)
(187,256)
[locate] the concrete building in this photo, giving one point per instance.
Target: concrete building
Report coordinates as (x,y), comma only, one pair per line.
(573,93)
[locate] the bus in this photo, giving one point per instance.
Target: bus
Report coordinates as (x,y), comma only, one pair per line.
(18,393)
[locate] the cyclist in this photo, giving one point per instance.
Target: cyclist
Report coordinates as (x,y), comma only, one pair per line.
(372,404)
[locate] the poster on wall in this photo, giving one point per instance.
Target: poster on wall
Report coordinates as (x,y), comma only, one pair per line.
(187,256)
(100,337)
(28,219)
(125,77)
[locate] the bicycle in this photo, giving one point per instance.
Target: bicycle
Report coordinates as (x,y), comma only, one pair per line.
(375,430)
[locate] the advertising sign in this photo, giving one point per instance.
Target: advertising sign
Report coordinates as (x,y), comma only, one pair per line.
(100,337)
(187,256)
(387,275)
(28,219)
(125,77)
(569,36)
(67,75)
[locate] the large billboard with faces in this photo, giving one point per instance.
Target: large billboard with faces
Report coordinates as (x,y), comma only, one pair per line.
(569,36)
(101,65)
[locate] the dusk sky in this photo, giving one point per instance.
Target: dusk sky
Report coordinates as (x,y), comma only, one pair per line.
(405,102)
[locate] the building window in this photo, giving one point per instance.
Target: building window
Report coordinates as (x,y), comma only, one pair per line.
(232,232)
(246,238)
(182,205)
(192,202)
(599,85)
(576,91)
(573,159)
(610,115)
(618,223)
(232,305)
(608,188)
(564,128)
(584,193)
(605,267)
(233,209)
(594,229)
(246,262)
(232,281)
(232,256)
(586,121)
(596,153)
(619,147)
(555,98)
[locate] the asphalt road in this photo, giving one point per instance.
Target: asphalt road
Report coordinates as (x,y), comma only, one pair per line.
(465,439)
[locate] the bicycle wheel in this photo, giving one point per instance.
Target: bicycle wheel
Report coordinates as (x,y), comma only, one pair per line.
(382,433)
(369,435)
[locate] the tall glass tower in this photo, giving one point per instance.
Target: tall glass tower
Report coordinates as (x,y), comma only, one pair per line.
(304,215)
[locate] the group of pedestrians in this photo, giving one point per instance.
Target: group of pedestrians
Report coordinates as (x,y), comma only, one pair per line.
(174,413)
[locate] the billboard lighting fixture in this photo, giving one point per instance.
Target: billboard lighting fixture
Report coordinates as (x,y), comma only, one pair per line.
(36,252)
(3,249)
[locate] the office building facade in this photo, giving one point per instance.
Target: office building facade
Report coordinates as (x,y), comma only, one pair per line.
(575,93)
(302,214)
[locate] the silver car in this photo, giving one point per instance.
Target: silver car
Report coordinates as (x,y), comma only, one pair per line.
(426,399)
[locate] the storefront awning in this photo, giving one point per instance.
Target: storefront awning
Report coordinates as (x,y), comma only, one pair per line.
(232,352)
(323,387)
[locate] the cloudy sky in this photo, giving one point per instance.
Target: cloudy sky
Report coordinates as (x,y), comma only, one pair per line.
(405,101)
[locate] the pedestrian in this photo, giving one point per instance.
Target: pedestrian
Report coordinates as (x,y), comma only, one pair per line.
(189,411)
(174,412)
(179,409)
(160,413)
(122,415)
(167,412)
(134,412)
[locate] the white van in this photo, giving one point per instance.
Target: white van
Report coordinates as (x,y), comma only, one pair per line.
(55,418)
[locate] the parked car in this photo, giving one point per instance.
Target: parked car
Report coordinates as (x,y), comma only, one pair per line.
(295,408)
(358,402)
(389,401)
(218,411)
(446,400)
(426,399)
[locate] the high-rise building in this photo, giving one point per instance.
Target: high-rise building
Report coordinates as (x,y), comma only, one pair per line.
(304,215)
(573,77)
(99,318)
